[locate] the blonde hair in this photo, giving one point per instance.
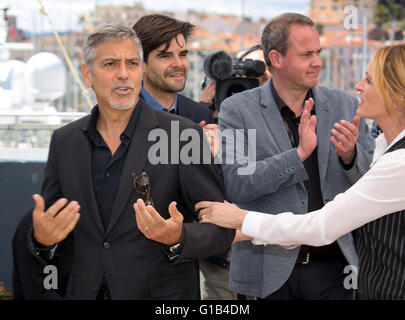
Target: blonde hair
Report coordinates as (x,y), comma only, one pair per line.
(388,76)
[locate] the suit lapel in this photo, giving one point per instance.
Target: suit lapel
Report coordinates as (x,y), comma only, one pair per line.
(273,118)
(182,109)
(275,123)
(324,125)
(83,163)
(135,161)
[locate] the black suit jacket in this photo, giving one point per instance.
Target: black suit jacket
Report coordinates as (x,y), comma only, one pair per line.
(192,110)
(135,267)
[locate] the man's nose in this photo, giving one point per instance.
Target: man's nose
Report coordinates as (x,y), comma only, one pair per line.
(176,61)
(316,60)
(122,71)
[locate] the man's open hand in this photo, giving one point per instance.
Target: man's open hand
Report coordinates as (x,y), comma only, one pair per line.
(55,224)
(156,228)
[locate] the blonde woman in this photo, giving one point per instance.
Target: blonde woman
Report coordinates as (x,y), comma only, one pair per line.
(375,203)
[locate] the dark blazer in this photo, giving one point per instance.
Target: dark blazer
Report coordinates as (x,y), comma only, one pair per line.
(135,267)
(192,110)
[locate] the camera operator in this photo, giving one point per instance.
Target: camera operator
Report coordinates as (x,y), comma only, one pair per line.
(209,86)
(255,53)
(231,76)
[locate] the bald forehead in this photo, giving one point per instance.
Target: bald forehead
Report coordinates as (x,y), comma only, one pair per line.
(304,37)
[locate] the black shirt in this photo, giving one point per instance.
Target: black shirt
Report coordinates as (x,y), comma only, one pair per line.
(106,168)
(291,122)
(313,184)
(106,172)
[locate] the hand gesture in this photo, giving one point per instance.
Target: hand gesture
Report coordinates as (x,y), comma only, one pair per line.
(156,228)
(344,138)
(307,131)
(55,224)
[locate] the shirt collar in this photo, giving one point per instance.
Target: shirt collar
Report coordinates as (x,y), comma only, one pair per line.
(156,105)
(91,126)
(381,145)
(281,104)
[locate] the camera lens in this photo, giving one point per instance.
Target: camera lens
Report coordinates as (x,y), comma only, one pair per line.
(229,87)
(235,88)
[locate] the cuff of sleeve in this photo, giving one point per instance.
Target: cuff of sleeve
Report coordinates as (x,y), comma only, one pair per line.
(173,252)
(350,165)
(251,225)
(46,253)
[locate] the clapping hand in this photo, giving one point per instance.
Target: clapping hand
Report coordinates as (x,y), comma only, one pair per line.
(344,138)
(307,131)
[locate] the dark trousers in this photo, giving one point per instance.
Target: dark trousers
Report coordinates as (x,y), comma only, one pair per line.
(320,279)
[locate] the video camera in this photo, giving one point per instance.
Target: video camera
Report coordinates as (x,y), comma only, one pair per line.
(231,76)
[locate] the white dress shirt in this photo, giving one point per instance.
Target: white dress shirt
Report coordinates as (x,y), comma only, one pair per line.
(379,192)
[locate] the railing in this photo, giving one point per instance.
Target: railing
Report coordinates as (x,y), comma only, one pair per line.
(19,129)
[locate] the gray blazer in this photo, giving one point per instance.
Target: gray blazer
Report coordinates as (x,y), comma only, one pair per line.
(277,182)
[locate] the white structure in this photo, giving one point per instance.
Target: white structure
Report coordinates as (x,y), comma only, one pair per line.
(12,88)
(45,77)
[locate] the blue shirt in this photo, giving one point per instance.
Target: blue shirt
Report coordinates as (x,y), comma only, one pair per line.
(156,105)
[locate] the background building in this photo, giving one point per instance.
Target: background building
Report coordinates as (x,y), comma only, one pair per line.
(331,12)
(104,14)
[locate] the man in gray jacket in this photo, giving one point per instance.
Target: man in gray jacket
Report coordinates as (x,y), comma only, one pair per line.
(295,168)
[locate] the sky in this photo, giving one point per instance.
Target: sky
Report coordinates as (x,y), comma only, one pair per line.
(65,13)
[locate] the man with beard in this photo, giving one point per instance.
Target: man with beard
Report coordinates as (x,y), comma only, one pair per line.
(84,222)
(164,41)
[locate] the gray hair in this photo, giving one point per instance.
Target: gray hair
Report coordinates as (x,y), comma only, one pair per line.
(276,32)
(104,32)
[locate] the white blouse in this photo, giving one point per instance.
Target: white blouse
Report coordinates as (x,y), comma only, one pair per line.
(379,192)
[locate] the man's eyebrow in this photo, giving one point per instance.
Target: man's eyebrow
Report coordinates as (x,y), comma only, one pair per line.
(133,59)
(161,52)
(112,59)
(313,51)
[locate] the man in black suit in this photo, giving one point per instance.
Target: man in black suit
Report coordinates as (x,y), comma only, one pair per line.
(86,209)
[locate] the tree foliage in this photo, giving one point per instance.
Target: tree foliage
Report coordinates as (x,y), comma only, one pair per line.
(388,10)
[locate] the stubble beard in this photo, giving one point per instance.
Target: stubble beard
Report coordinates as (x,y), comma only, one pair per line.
(122,105)
(162,83)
